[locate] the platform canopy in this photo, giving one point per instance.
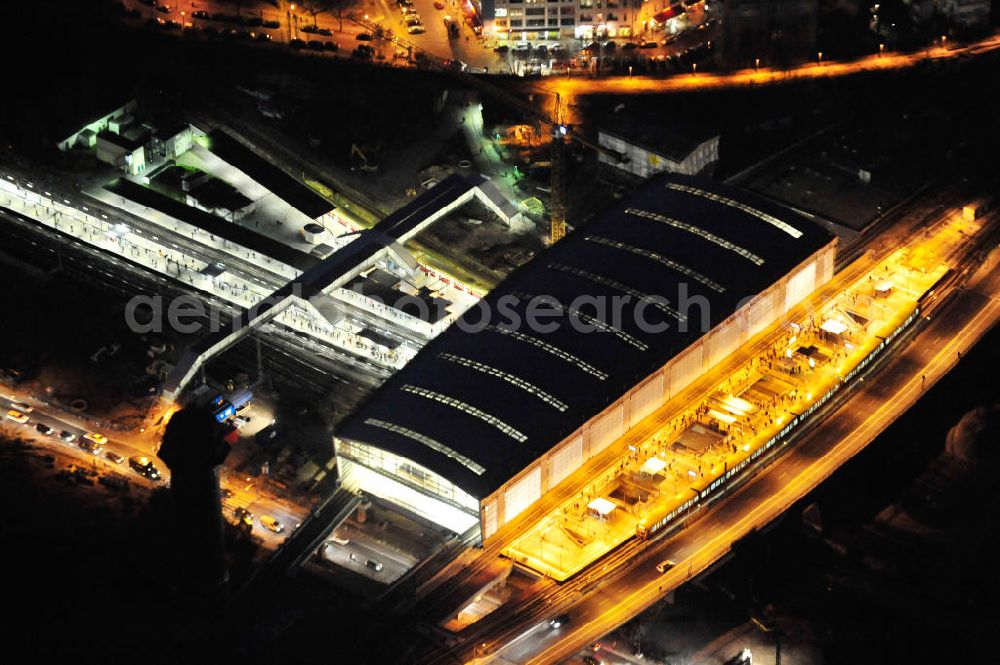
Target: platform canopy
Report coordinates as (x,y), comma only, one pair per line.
(722,417)
(653,466)
(834,327)
(601,506)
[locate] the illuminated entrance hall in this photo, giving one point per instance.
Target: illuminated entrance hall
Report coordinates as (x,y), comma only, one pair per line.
(697,444)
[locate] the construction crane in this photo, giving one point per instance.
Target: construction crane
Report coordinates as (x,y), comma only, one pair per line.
(561,132)
(557,230)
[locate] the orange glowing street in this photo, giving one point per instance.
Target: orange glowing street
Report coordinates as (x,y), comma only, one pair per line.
(571,87)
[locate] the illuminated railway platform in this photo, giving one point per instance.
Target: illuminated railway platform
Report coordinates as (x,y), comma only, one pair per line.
(702,443)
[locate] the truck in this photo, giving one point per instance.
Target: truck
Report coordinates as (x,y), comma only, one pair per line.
(240,398)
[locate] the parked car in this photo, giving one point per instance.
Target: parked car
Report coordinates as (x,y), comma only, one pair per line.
(364,37)
(90,446)
(271,523)
(374,565)
(99,439)
(44,429)
(417,29)
(649,45)
(114,457)
(68,437)
(363,51)
(17,416)
(144,467)
(22,407)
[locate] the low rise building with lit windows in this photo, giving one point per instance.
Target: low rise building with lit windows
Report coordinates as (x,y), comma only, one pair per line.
(557,20)
(559,362)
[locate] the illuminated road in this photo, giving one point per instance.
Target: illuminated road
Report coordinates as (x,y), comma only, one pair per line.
(472,52)
(243,495)
(820,453)
(571,87)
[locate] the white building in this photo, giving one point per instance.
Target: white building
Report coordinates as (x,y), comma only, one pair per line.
(647,149)
(126,153)
(86,136)
(548,20)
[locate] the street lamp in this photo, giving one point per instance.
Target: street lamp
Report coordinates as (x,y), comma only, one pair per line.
(630,71)
(694,68)
(756,64)
(881,48)
(819,58)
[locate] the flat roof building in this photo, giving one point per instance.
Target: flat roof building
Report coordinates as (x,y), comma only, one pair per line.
(576,347)
(647,146)
(122,151)
(272,178)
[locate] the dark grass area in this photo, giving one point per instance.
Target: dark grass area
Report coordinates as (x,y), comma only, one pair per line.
(92,575)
